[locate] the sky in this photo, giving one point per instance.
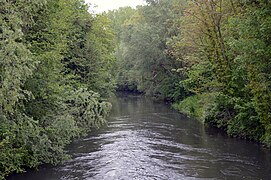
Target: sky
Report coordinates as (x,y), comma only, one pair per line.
(104,5)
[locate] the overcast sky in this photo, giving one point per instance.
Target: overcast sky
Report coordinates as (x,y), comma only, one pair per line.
(104,5)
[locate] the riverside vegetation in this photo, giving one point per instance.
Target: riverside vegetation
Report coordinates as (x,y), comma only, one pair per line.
(55,64)
(59,63)
(211,58)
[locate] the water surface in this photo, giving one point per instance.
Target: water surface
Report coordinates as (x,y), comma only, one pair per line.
(148,140)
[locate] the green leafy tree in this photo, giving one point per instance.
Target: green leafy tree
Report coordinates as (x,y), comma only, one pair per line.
(225,49)
(44,103)
(143,53)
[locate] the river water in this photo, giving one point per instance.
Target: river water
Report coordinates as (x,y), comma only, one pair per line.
(148,140)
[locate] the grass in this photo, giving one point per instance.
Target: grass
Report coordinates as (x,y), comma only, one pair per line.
(196,106)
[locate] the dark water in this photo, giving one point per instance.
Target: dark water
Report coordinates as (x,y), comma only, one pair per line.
(148,140)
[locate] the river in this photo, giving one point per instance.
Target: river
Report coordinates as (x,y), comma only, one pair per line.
(148,140)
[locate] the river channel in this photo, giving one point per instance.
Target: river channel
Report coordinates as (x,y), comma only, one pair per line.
(148,140)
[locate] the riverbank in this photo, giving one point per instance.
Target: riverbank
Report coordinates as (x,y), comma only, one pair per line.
(231,115)
(196,106)
(146,139)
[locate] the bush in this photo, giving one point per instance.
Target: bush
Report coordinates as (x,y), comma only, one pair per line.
(237,117)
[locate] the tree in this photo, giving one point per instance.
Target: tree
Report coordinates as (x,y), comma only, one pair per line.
(224,49)
(44,105)
(146,63)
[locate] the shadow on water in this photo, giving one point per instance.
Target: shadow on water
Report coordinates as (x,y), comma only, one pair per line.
(148,140)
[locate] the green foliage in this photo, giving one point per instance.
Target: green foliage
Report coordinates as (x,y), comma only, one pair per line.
(197,106)
(236,117)
(248,90)
(253,59)
(84,105)
(246,123)
(225,49)
(217,51)
(53,56)
(142,53)
(222,111)
(16,63)
(58,63)
(200,78)
(90,55)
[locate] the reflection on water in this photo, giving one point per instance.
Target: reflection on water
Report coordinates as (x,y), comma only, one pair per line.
(148,140)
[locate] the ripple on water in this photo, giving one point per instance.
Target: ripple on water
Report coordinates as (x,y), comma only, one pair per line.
(146,140)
